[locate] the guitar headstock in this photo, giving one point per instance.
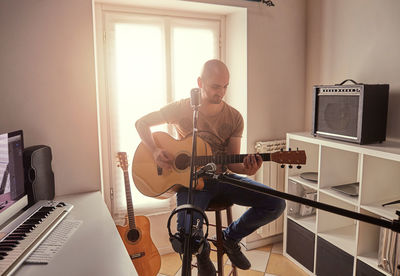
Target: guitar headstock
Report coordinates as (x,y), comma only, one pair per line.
(122,161)
(289,157)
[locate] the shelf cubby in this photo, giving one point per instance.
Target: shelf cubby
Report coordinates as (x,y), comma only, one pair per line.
(332,260)
(338,230)
(301,244)
(312,153)
(363,269)
(380,186)
(337,167)
(368,243)
(296,211)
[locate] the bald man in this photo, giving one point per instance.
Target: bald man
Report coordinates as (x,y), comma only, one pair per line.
(221,126)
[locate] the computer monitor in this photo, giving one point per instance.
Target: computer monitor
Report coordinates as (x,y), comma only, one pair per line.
(13,197)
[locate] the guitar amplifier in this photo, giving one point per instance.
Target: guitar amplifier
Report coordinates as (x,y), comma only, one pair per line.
(351,112)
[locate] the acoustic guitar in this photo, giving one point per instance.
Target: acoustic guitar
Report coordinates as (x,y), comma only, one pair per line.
(136,232)
(153,181)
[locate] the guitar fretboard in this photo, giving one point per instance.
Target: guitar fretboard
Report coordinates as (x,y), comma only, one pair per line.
(227,159)
(129,205)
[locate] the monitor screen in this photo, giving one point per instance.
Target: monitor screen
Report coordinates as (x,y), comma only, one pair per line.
(12,188)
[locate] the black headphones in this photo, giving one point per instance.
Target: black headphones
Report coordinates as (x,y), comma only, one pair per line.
(178,239)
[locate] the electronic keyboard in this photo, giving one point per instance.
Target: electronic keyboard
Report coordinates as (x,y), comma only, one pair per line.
(21,236)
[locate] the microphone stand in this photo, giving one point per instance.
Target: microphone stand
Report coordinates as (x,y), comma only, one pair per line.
(393,225)
(187,251)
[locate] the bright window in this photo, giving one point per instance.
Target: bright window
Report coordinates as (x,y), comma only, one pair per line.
(149,60)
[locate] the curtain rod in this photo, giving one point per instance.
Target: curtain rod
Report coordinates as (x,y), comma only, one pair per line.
(269,3)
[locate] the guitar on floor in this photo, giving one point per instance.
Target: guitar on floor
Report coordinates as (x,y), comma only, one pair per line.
(153,181)
(136,233)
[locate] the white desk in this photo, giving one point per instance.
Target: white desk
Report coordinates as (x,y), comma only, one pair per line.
(94,249)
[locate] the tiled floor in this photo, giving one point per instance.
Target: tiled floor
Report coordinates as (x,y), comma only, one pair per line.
(265,261)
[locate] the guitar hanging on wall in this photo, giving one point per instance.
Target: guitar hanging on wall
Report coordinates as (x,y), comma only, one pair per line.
(136,233)
(153,181)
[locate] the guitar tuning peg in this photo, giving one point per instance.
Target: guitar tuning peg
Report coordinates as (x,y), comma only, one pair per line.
(297,149)
(281,149)
(290,149)
(290,166)
(282,166)
(298,167)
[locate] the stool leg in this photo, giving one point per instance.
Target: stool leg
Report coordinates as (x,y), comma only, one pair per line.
(229,215)
(220,246)
(229,220)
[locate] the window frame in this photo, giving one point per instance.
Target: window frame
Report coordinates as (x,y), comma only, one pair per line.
(107,161)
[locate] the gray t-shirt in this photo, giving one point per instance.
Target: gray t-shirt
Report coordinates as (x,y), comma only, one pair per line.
(215,130)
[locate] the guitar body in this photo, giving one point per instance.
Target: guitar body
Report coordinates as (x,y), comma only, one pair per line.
(140,247)
(156,182)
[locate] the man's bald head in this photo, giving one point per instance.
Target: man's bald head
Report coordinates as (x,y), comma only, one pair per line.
(213,81)
(213,67)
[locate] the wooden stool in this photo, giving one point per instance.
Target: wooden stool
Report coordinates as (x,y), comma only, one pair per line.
(217,206)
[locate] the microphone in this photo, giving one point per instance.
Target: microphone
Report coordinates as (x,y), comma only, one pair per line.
(195,97)
(207,169)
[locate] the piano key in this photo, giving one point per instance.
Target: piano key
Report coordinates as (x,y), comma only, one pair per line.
(8,244)
(13,238)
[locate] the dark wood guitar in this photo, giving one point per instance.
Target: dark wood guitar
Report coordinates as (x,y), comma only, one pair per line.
(136,232)
(153,181)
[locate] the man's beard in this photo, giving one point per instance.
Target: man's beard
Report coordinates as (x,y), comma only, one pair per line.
(215,100)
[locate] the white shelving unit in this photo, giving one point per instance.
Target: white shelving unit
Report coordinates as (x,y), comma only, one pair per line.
(375,167)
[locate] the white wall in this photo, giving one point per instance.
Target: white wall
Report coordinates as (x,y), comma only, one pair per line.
(357,39)
(47,85)
(276,70)
(236,60)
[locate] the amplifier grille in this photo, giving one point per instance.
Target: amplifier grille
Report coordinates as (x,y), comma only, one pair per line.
(355,113)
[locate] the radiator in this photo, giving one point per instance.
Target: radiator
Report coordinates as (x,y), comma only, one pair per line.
(272,175)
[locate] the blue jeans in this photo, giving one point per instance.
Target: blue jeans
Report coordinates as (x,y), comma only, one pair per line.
(263,208)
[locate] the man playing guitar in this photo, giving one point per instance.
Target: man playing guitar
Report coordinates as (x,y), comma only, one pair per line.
(221,126)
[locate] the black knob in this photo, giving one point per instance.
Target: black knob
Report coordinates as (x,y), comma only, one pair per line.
(299,167)
(282,166)
(290,149)
(290,166)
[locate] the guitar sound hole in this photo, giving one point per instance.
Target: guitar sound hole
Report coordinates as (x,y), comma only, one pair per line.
(182,161)
(133,235)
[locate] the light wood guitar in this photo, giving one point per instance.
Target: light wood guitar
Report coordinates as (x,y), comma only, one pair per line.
(136,232)
(153,181)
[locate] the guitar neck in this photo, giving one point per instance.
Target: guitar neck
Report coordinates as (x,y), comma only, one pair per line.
(228,159)
(131,213)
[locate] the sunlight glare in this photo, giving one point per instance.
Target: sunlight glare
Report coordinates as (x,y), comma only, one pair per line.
(191,47)
(140,80)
